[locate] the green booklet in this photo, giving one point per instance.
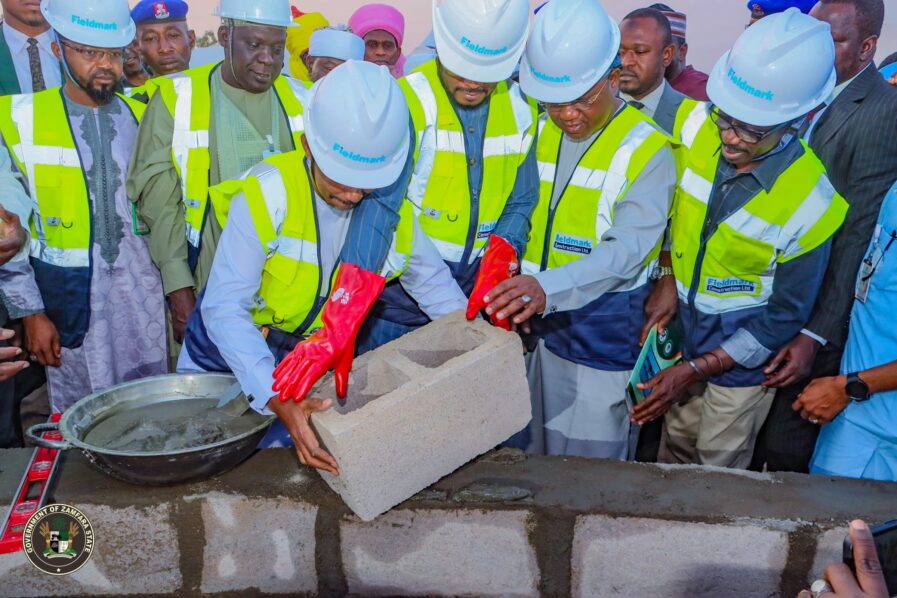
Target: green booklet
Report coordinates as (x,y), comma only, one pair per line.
(661,350)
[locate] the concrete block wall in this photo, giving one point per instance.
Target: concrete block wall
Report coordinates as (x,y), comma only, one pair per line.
(422,553)
(620,556)
(451,379)
(504,525)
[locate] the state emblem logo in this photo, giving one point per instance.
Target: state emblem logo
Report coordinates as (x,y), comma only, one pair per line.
(58,539)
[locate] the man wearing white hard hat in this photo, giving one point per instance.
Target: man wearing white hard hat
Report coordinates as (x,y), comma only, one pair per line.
(206,125)
(475,182)
(266,295)
(607,179)
(329,48)
(751,231)
(91,296)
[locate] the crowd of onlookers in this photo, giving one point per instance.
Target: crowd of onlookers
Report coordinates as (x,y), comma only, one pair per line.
(749,211)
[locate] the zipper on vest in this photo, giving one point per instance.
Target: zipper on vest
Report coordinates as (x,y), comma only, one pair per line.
(706,234)
(81,333)
(320,298)
(708,228)
(474,222)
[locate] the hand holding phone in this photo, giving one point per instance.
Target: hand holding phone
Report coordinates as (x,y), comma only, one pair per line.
(871,555)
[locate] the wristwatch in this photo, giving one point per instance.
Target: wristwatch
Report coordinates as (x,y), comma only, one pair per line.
(661,271)
(856,389)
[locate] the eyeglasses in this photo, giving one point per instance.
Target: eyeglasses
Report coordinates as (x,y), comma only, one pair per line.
(747,134)
(95,55)
(581,104)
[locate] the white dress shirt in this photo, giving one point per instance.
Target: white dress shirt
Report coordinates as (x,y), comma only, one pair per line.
(650,101)
(18,48)
(234,282)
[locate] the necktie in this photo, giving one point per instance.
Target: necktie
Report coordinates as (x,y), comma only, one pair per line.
(636,104)
(37,75)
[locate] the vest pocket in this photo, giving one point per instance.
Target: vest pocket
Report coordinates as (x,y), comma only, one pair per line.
(739,256)
(198,166)
(436,206)
(282,269)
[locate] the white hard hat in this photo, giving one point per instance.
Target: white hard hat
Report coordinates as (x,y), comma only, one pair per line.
(480,40)
(357,125)
(97,23)
(275,13)
(573,44)
(780,68)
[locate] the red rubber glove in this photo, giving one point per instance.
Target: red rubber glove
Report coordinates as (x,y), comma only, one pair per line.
(499,264)
(333,346)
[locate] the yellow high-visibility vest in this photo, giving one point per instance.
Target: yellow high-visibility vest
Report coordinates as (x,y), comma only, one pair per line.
(37,132)
(439,189)
(585,211)
(735,268)
(293,288)
(187,96)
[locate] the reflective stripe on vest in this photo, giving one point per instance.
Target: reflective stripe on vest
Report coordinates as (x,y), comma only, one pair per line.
(281,202)
(693,123)
(47,155)
(188,98)
(439,189)
(738,268)
(585,211)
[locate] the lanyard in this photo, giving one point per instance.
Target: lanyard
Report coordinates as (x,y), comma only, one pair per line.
(874,266)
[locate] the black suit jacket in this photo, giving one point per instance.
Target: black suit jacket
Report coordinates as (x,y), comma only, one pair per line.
(856,139)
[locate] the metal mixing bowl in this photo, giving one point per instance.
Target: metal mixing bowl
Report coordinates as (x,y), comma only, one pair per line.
(159,468)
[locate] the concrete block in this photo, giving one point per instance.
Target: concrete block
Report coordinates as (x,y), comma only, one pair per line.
(441,553)
(136,552)
(829,549)
(652,557)
(419,408)
(265,544)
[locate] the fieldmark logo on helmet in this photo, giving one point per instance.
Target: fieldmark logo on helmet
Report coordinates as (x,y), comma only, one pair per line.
(357,157)
(747,88)
(93,24)
(550,78)
(482,49)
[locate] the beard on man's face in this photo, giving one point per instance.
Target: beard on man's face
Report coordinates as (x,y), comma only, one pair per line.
(35,21)
(100,93)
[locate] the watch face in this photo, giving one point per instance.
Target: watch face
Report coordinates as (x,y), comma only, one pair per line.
(857,390)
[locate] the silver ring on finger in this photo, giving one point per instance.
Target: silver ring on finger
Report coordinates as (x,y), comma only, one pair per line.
(526,299)
(814,421)
(820,587)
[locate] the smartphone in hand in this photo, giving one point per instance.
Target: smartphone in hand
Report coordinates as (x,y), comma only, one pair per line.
(885,536)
